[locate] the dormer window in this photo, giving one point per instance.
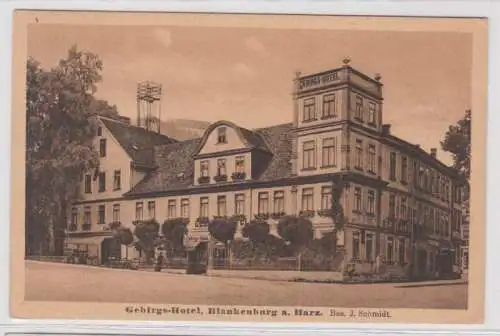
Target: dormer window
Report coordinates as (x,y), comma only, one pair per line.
(221,167)
(240,164)
(204,168)
(221,135)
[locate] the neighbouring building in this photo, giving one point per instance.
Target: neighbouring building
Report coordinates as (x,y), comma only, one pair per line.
(400,202)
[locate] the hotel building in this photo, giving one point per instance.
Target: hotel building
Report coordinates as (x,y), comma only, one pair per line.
(400,202)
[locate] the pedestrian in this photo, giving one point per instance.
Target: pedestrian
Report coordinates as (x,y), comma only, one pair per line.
(377,264)
(159,262)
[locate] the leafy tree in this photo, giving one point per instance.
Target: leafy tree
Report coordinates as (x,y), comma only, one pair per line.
(147,234)
(337,211)
(256,230)
(173,231)
(59,132)
(223,229)
(298,232)
(457,141)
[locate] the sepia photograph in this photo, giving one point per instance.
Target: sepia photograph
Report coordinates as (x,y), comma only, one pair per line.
(254,167)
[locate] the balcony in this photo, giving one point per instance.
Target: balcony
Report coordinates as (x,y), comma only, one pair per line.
(201,222)
(307,213)
(277,215)
(203,179)
(220,178)
(72,227)
(239,176)
(86,227)
(325,213)
(262,216)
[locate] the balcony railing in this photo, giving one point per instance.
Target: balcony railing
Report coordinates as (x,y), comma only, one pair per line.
(220,178)
(239,176)
(203,179)
(86,227)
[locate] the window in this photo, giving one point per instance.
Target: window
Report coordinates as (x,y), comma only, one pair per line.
(101,214)
(326,198)
(185,208)
(404,169)
(116,212)
(102,148)
(329,108)
(87,216)
(239,204)
(171,207)
(371,159)
(402,248)
(151,209)
(263,203)
(357,199)
(328,152)
(390,249)
(392,166)
(240,164)
(279,202)
(309,156)
(138,211)
(355,245)
(371,202)
(359,108)
(117,180)
(221,135)
(102,181)
(372,117)
(369,247)
(204,168)
(358,163)
(204,207)
(392,206)
(307,199)
(88,184)
(99,131)
(74,216)
(221,167)
(403,214)
(415,174)
(309,109)
(221,206)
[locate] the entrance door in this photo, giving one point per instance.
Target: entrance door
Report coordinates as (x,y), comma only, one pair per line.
(110,248)
(421,262)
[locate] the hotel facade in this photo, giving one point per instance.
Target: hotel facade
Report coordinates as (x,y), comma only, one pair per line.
(400,202)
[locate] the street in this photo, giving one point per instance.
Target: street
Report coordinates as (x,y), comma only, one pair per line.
(61,282)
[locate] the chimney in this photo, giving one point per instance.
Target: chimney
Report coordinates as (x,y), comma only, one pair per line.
(386,129)
(433,152)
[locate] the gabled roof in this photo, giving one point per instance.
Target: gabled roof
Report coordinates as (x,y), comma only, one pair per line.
(136,141)
(176,161)
(252,139)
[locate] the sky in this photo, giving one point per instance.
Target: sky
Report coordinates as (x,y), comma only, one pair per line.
(245,74)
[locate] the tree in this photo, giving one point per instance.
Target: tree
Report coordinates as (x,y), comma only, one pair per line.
(173,231)
(223,230)
(123,235)
(59,131)
(457,141)
(298,232)
(256,230)
(147,234)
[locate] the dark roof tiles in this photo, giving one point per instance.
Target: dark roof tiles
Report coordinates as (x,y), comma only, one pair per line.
(137,142)
(176,164)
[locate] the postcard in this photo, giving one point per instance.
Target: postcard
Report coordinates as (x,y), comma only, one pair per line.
(230,167)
